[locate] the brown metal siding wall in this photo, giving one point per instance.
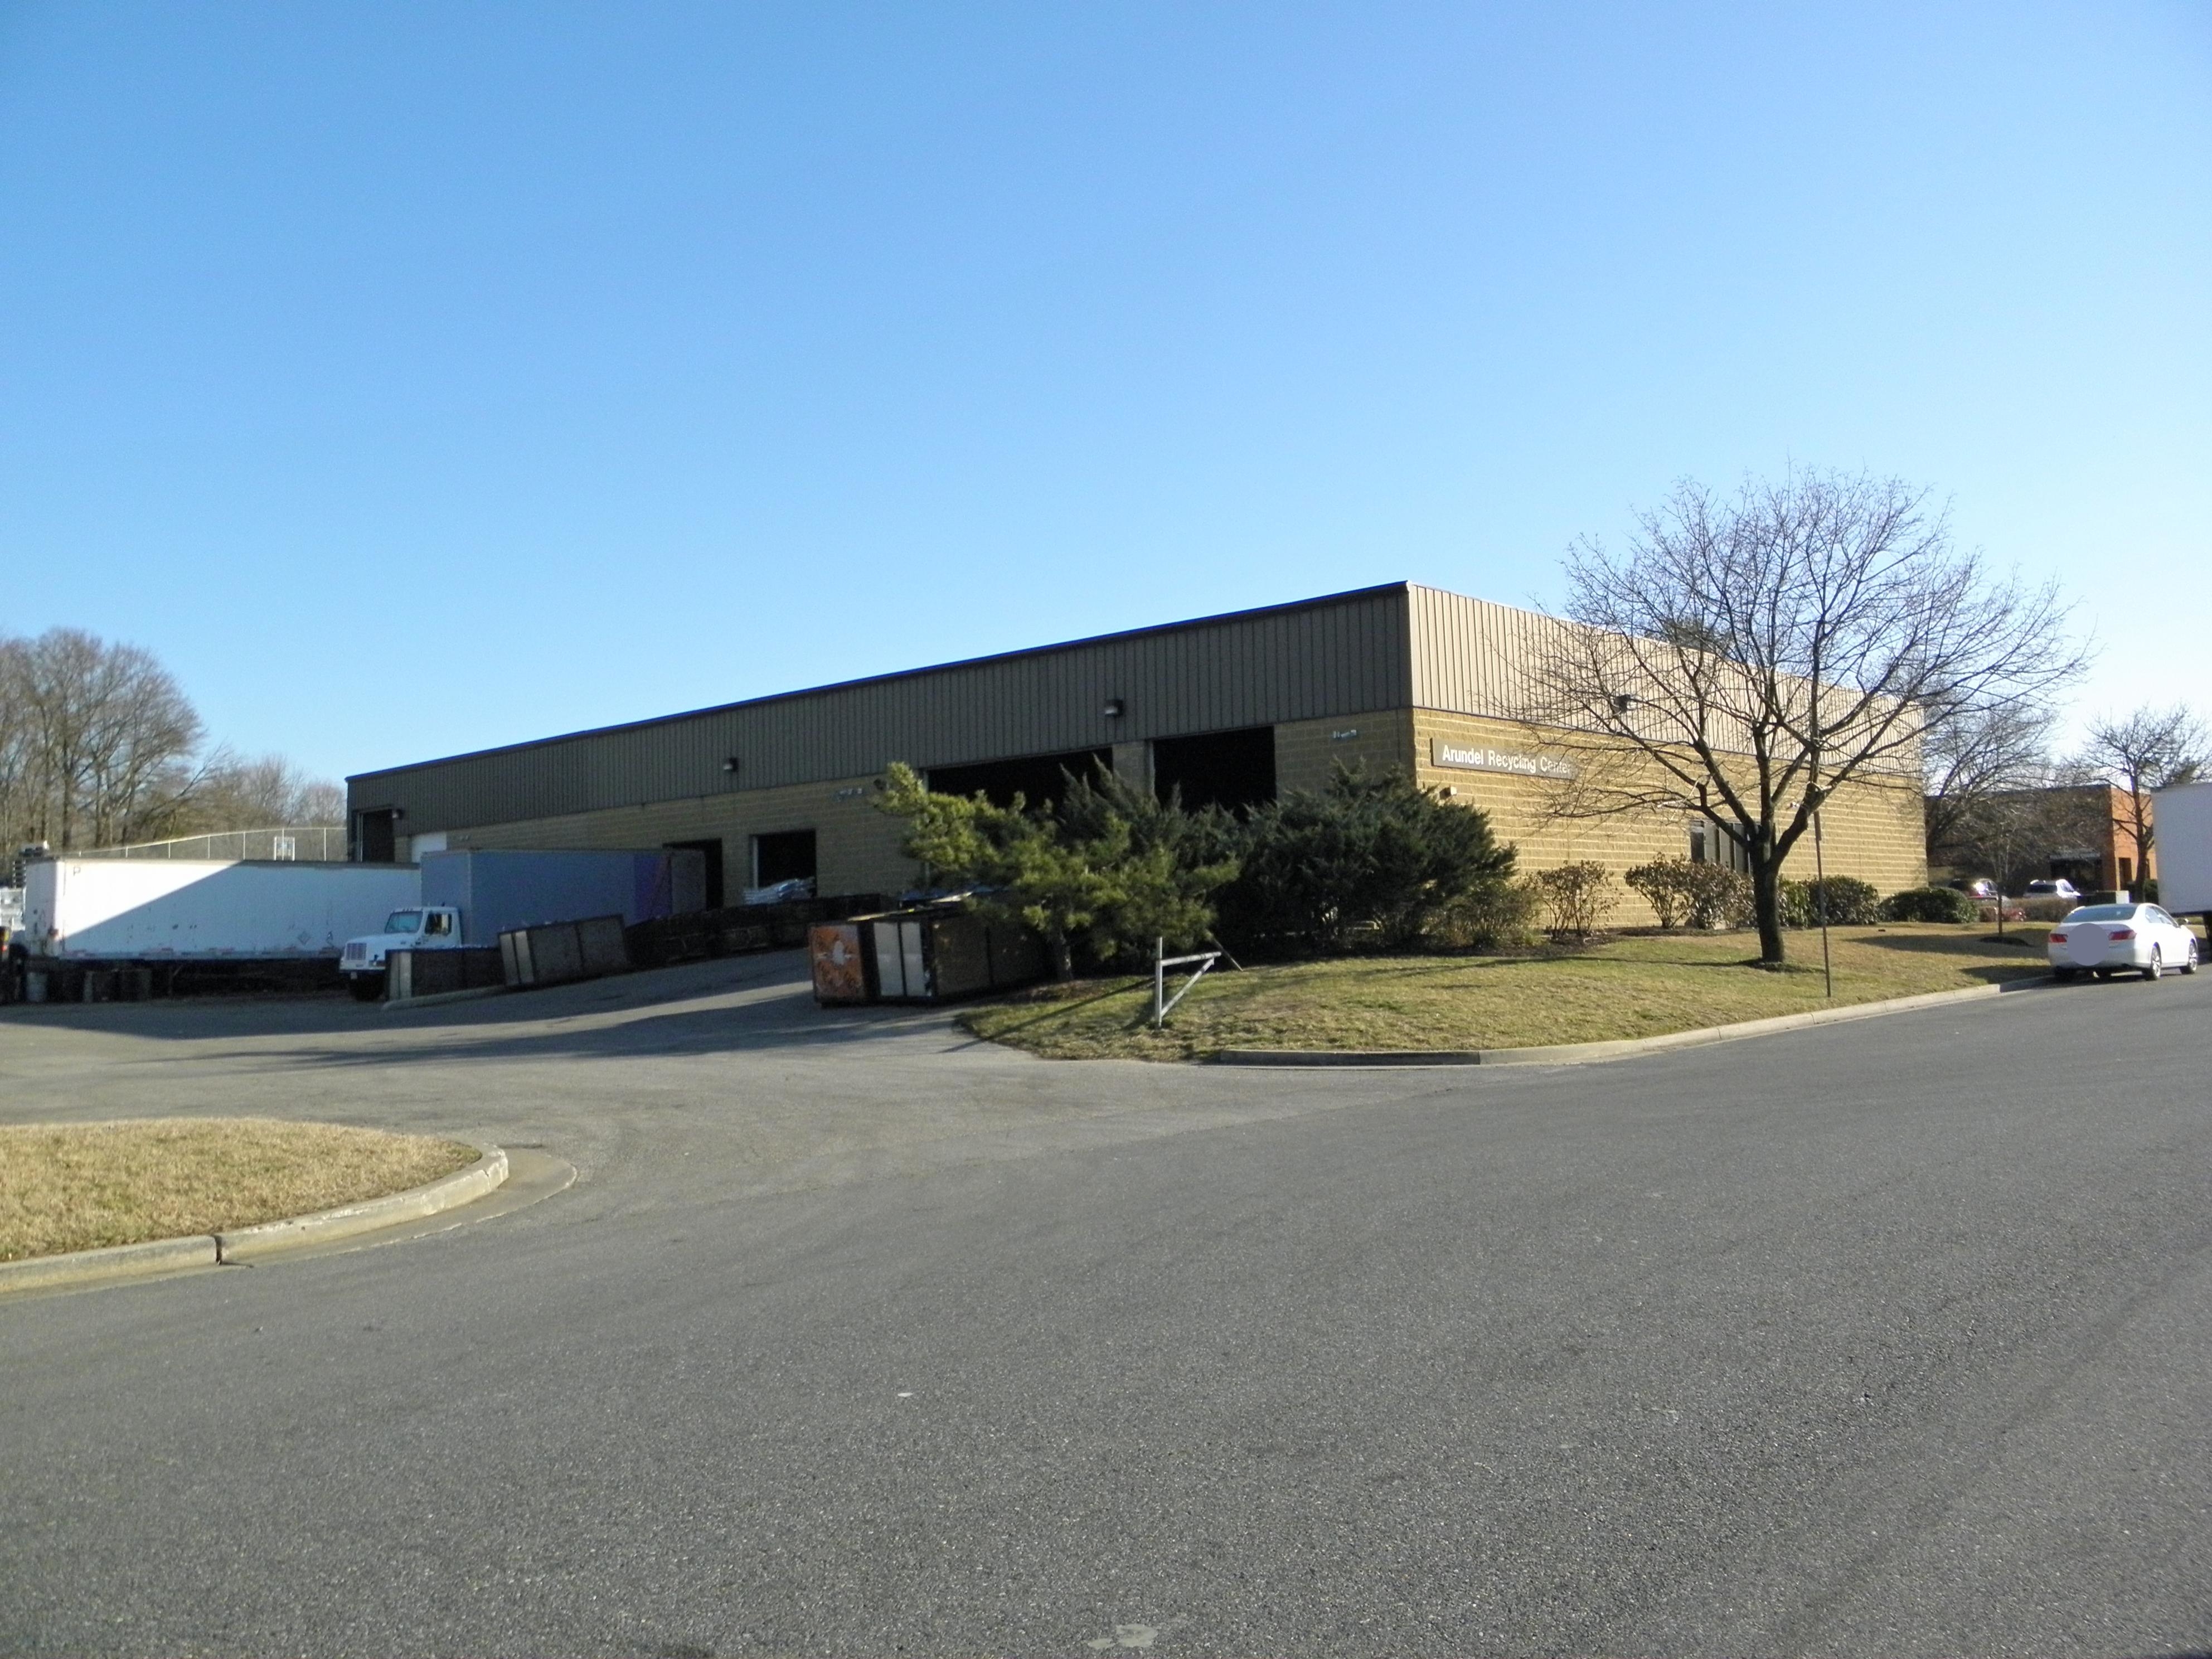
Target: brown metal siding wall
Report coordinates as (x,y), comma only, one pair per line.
(1468,654)
(1337,657)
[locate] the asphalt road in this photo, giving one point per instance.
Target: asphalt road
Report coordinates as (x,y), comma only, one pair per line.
(1892,1337)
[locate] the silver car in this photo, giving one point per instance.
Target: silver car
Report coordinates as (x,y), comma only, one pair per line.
(2104,940)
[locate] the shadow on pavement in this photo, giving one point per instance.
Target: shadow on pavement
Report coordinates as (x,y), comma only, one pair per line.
(757,1002)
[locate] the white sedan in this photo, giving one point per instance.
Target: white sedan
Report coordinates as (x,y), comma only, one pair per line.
(2104,940)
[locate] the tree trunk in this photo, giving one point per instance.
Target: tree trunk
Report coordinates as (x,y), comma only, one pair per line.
(1063,955)
(1766,905)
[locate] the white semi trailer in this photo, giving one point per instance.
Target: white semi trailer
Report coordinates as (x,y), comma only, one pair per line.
(2183,850)
(108,912)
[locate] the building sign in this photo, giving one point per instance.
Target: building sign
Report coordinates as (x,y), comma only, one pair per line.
(1481,757)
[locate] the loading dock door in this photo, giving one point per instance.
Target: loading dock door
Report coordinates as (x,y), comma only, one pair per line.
(785,855)
(1231,769)
(377,836)
(1036,778)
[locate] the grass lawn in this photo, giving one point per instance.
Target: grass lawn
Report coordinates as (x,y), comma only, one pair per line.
(1638,985)
(81,1186)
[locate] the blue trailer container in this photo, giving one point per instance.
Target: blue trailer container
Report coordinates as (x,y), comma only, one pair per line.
(499,889)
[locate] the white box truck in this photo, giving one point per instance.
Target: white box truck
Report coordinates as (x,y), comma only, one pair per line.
(2182,849)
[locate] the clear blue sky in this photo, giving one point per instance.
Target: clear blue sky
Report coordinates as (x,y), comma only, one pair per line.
(418,378)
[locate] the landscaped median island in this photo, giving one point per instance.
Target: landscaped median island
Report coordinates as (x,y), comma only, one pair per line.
(88,1186)
(1634,986)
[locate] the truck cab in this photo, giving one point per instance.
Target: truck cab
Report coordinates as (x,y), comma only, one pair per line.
(417,927)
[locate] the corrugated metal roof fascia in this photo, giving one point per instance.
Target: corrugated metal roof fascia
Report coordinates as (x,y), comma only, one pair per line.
(1468,655)
(1158,631)
(1344,655)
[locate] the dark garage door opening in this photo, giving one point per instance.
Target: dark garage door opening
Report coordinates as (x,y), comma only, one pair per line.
(1231,770)
(1037,778)
(377,836)
(787,855)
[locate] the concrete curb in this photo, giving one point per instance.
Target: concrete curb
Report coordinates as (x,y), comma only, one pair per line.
(157,1256)
(1584,1053)
(162,1255)
(397,1004)
(462,1186)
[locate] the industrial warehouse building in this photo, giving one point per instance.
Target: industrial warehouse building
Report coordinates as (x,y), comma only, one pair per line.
(1232,709)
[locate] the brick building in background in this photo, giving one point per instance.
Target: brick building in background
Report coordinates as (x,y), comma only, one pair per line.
(2083,833)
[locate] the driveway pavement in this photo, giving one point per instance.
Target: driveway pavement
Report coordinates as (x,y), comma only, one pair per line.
(855,1338)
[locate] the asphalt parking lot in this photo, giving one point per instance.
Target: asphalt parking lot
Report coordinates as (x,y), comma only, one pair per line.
(855,1336)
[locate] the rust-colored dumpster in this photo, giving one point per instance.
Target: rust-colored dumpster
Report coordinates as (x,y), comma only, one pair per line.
(840,974)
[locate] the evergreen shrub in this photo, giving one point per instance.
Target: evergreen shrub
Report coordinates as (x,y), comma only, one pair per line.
(1931,904)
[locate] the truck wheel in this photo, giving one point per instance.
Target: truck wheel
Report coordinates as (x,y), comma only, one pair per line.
(366,988)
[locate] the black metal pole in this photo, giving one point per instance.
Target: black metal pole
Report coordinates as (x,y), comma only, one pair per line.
(1821,904)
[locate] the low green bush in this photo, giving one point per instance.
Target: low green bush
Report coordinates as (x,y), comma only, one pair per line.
(1665,884)
(1579,897)
(1719,897)
(1850,902)
(1931,904)
(1502,917)
(1686,895)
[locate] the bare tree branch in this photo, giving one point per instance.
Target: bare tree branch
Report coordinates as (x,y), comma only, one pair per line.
(1748,657)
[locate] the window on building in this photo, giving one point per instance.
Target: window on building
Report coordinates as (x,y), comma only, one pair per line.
(1231,769)
(1712,843)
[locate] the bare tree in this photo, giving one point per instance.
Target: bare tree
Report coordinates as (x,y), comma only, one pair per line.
(1981,754)
(265,792)
(98,745)
(106,739)
(1748,657)
(2012,835)
(2151,748)
(16,769)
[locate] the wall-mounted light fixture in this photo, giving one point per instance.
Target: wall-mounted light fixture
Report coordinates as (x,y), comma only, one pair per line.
(730,765)
(1116,708)
(1622,702)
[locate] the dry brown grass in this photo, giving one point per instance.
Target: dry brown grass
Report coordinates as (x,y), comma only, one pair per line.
(83,1186)
(1634,986)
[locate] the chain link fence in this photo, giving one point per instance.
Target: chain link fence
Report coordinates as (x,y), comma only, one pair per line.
(309,843)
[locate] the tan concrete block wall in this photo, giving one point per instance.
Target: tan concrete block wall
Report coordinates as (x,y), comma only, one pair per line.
(1308,752)
(1870,830)
(856,847)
